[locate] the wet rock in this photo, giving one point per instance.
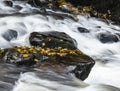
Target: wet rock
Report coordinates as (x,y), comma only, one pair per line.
(8,3)
(9,35)
(18,59)
(50,51)
(55,5)
(83,30)
(21,56)
(108,38)
(52,39)
(56,59)
(115,19)
(82,70)
(109,8)
(38,3)
(17,7)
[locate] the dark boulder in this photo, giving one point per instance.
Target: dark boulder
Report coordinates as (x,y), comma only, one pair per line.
(9,35)
(38,3)
(58,59)
(8,3)
(108,37)
(52,39)
(51,51)
(83,30)
(82,70)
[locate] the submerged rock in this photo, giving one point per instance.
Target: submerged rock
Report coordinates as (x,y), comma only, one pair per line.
(83,30)
(9,35)
(52,39)
(17,7)
(8,3)
(108,38)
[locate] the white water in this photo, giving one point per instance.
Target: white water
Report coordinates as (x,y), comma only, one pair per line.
(105,76)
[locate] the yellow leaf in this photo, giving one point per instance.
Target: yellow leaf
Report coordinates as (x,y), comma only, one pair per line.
(36,60)
(25,55)
(43,44)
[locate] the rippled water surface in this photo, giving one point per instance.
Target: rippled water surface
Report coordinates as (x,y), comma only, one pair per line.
(105,75)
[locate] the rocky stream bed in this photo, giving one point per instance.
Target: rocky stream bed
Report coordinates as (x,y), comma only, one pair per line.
(59,45)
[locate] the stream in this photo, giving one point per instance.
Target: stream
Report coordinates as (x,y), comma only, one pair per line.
(104,76)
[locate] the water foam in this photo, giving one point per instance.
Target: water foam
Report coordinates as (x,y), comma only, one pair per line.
(106,70)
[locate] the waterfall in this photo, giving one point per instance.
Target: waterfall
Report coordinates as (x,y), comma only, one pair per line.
(104,75)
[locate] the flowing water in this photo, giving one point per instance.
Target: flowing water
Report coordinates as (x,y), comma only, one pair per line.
(105,75)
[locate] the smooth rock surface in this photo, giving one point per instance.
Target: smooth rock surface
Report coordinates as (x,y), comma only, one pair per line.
(52,39)
(83,30)
(108,38)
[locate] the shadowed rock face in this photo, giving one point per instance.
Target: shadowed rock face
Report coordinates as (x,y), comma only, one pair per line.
(52,54)
(60,5)
(38,3)
(106,9)
(102,6)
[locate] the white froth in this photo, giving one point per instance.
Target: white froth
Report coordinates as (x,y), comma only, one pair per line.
(102,73)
